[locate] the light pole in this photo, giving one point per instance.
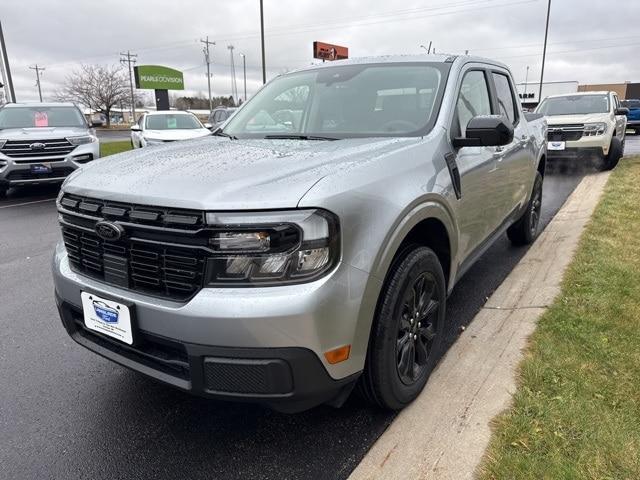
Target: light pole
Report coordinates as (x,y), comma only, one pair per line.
(544,50)
(264,67)
(244,72)
(526,78)
(427,49)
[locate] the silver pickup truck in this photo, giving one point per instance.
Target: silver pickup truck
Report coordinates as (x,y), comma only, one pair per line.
(43,143)
(310,245)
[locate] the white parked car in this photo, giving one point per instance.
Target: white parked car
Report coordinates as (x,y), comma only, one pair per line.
(161,127)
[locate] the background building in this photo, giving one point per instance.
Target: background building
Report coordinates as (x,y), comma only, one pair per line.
(528,92)
(627,90)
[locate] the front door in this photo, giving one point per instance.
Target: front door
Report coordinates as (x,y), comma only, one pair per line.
(476,165)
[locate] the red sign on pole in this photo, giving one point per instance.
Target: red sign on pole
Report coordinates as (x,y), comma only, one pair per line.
(327,51)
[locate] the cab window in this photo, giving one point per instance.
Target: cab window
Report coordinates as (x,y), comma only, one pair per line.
(473,100)
(505,97)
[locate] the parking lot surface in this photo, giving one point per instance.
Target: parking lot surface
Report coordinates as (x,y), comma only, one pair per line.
(67,413)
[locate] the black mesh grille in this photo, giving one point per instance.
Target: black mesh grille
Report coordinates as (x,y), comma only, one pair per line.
(37,148)
(163,251)
(155,269)
(247,376)
(565,133)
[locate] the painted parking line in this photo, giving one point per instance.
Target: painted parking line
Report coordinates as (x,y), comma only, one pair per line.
(28,203)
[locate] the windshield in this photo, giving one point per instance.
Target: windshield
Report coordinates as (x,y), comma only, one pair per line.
(172,122)
(345,101)
(41,117)
(574,105)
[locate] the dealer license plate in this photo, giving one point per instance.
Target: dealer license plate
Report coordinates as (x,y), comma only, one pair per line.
(110,318)
(556,146)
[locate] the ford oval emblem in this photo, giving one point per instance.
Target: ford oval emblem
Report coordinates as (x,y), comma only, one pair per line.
(109,231)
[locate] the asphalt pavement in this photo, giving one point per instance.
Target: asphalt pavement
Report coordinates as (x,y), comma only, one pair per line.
(67,413)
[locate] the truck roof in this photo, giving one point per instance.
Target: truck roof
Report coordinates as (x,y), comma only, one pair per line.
(600,92)
(418,58)
(39,104)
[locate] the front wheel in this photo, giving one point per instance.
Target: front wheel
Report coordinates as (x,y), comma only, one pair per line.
(616,150)
(525,230)
(408,330)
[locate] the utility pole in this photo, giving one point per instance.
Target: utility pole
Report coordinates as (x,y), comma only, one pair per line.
(207,58)
(234,85)
(7,70)
(264,67)
(244,70)
(38,70)
(130,58)
(544,50)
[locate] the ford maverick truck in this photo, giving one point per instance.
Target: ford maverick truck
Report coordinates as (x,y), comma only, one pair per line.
(308,247)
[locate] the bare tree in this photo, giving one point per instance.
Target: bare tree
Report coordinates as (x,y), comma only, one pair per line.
(97,87)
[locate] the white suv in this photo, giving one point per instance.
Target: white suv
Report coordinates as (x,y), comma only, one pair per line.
(588,126)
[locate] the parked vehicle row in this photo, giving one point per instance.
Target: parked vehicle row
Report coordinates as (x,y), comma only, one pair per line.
(585,126)
(156,128)
(633,116)
(43,143)
(309,245)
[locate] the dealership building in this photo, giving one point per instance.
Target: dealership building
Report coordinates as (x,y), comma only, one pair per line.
(528,92)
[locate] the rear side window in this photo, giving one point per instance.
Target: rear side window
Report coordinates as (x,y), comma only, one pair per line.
(504,92)
(473,100)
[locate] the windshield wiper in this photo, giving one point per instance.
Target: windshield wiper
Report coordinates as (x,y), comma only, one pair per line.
(297,137)
(220,133)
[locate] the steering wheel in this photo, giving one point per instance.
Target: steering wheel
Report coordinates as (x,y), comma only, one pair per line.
(284,117)
(401,126)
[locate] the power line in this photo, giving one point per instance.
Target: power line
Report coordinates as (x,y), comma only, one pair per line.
(38,70)
(207,59)
(130,58)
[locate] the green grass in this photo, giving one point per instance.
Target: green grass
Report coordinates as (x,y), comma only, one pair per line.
(111,148)
(576,413)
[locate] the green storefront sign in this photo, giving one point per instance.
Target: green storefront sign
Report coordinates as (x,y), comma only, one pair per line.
(157,77)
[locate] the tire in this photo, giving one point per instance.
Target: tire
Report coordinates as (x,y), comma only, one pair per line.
(616,150)
(404,331)
(3,192)
(525,230)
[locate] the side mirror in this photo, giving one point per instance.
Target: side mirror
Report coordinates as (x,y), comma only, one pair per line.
(208,125)
(486,131)
(622,111)
(135,128)
(96,124)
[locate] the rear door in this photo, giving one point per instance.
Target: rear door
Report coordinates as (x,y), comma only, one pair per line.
(621,120)
(476,165)
(514,161)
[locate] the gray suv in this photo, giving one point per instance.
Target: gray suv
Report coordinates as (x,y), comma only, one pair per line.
(310,245)
(43,143)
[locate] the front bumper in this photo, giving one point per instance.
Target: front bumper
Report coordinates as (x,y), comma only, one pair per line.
(17,172)
(592,154)
(263,345)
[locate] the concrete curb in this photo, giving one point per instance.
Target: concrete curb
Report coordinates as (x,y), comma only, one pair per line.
(444,433)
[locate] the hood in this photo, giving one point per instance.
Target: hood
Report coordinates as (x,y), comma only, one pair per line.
(176,134)
(216,173)
(42,133)
(571,119)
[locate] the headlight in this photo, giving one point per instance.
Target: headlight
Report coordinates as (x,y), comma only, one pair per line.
(271,248)
(592,129)
(2,142)
(82,139)
(153,141)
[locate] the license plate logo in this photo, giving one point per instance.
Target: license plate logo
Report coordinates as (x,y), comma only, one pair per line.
(105,313)
(41,168)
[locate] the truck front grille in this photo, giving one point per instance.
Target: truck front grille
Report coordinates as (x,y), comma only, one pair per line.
(565,133)
(37,148)
(26,174)
(151,258)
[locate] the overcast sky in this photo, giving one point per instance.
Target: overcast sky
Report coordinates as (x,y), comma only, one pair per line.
(590,41)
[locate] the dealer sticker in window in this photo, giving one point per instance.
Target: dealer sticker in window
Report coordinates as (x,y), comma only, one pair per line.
(107,317)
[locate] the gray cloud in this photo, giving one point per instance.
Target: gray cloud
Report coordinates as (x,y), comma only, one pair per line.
(589,41)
